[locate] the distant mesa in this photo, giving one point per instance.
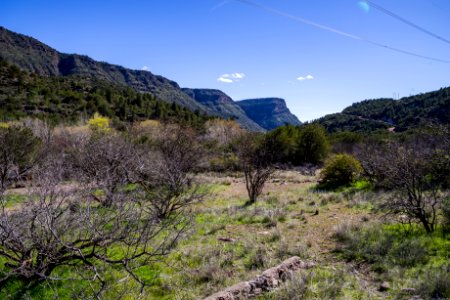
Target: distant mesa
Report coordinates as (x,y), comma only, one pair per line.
(269,113)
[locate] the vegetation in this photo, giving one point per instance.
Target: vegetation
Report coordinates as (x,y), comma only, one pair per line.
(138,213)
(299,145)
(68,99)
(256,161)
(340,170)
(391,250)
(406,113)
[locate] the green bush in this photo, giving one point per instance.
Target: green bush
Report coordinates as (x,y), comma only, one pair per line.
(340,170)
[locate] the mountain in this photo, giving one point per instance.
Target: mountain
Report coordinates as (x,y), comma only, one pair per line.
(31,55)
(269,113)
(399,115)
(222,105)
(67,99)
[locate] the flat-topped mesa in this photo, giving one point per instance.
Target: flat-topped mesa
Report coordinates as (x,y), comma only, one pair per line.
(267,281)
(269,113)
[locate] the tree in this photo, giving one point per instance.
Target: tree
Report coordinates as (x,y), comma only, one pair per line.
(313,144)
(20,150)
(104,164)
(256,158)
(285,141)
(166,170)
(56,229)
(408,170)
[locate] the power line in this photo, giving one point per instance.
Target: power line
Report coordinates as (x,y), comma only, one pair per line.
(395,16)
(336,31)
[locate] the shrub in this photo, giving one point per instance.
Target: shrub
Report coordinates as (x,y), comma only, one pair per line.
(99,123)
(340,170)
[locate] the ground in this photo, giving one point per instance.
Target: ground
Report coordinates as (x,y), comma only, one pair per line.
(229,242)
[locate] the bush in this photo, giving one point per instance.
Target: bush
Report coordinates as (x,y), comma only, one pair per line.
(340,170)
(99,123)
(313,144)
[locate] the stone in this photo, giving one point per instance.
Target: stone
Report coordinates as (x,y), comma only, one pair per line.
(267,281)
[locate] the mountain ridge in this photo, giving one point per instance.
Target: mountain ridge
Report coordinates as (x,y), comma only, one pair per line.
(399,115)
(31,55)
(223,105)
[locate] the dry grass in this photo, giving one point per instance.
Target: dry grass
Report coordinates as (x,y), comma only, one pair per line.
(229,242)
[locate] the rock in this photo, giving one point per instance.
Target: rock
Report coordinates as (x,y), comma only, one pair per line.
(384,286)
(267,281)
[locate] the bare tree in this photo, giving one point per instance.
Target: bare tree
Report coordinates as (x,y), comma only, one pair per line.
(55,229)
(103,162)
(167,168)
(408,169)
(256,161)
(20,151)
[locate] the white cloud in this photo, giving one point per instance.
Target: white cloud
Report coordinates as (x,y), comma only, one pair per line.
(224,79)
(238,75)
(307,77)
(230,78)
(144,68)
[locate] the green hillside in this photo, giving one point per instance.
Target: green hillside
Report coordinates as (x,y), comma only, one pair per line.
(403,114)
(69,98)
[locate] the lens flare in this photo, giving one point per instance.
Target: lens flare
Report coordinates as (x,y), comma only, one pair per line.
(364,6)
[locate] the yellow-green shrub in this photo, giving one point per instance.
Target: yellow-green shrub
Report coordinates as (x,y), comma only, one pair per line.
(99,123)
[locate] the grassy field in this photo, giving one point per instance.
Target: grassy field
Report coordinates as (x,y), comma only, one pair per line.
(355,247)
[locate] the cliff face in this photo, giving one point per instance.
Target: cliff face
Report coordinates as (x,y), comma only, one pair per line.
(269,113)
(222,105)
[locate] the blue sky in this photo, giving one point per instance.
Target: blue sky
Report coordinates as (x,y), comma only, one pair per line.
(250,52)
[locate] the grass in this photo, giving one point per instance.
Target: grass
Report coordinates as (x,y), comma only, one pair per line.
(229,242)
(406,256)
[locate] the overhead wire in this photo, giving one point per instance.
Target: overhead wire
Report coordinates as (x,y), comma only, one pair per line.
(337,31)
(403,20)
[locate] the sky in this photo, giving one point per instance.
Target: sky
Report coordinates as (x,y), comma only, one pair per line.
(319,55)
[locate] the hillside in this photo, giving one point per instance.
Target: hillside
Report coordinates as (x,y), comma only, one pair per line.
(31,55)
(408,112)
(269,113)
(69,98)
(222,105)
